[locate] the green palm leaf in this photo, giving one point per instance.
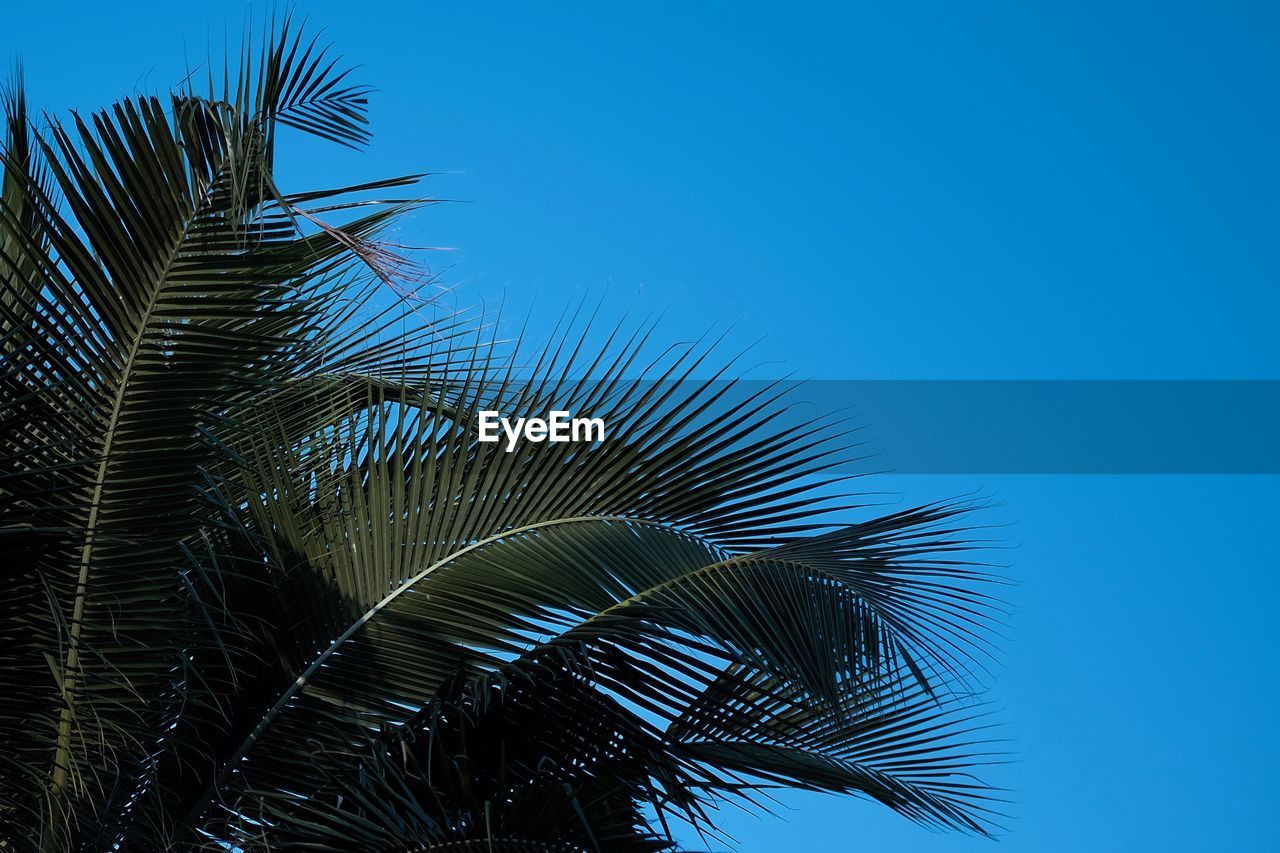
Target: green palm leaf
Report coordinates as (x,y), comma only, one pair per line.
(556,546)
(168,297)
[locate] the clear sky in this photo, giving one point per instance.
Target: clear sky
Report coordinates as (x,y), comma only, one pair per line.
(919,190)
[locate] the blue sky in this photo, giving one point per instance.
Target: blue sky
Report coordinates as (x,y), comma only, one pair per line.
(921,190)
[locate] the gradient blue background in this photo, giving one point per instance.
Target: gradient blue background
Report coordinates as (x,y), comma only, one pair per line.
(1006,190)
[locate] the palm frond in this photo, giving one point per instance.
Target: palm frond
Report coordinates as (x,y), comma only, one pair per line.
(433,548)
(148,301)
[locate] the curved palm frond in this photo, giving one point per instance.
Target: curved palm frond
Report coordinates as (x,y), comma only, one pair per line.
(153,293)
(676,562)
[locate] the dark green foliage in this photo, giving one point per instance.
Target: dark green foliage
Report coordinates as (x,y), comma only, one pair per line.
(264,587)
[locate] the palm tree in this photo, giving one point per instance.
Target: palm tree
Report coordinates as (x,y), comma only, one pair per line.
(264,589)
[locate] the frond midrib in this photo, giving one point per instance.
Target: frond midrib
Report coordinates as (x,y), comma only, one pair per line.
(302,680)
(61,761)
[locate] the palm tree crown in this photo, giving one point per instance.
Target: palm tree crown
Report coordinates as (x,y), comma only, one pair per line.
(265,589)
